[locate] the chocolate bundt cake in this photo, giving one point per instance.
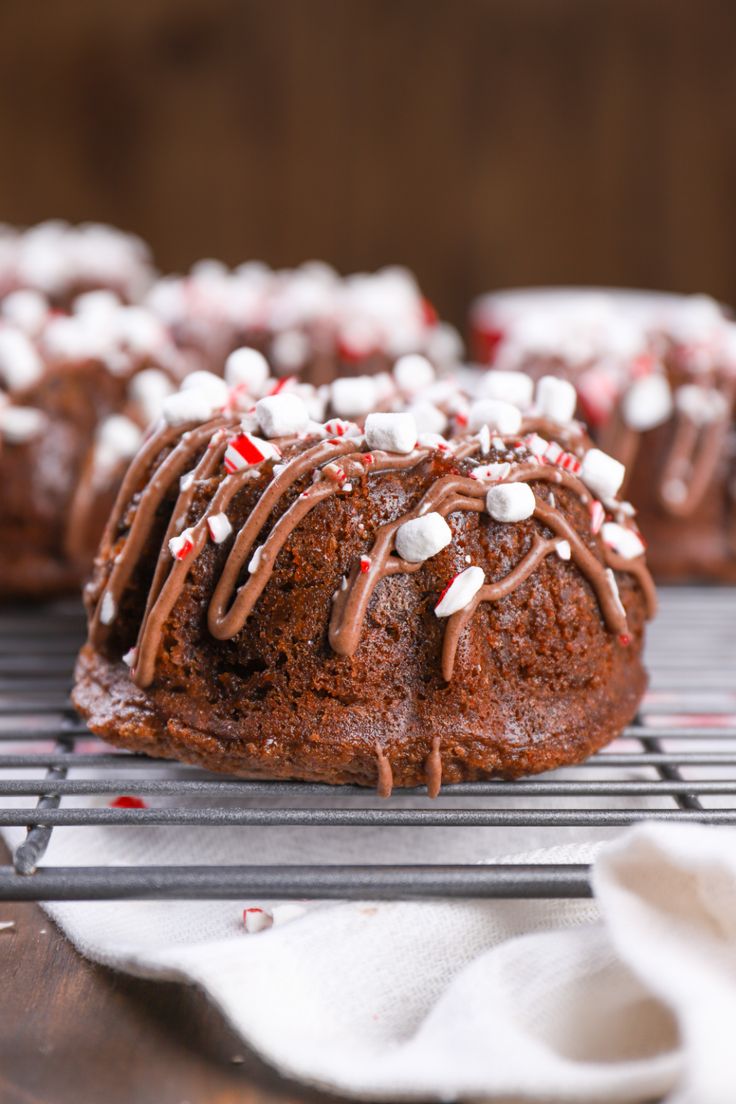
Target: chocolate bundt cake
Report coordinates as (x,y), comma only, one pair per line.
(62,261)
(369,604)
(307,321)
(656,381)
(78,390)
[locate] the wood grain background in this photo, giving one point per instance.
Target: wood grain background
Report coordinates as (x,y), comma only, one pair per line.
(482,142)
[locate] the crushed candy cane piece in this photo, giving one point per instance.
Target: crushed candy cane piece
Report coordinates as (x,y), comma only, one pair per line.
(493,473)
(460,591)
(365,564)
(128,801)
(256,920)
(597,515)
(284,914)
(255,560)
(245,450)
(220,527)
(625,542)
(181,546)
(130,657)
(108,609)
(563,549)
(484,440)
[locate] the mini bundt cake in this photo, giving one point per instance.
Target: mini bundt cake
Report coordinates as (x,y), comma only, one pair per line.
(367,604)
(62,261)
(656,381)
(307,321)
(76,392)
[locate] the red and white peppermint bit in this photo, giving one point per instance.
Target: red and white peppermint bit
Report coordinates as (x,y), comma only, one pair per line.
(256,920)
(569,462)
(484,440)
(245,450)
(615,592)
(339,427)
(536,445)
(597,515)
(181,546)
(365,564)
(491,473)
(130,657)
(285,381)
(460,591)
(334,472)
(220,527)
(626,542)
(128,801)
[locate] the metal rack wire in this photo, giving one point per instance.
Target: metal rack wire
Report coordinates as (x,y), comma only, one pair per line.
(676,762)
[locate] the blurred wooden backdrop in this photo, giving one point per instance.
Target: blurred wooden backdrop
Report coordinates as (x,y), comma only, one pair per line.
(482,142)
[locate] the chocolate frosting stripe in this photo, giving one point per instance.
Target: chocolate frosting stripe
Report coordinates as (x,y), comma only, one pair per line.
(692,463)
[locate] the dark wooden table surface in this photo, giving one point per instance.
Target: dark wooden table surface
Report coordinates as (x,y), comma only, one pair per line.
(72,1032)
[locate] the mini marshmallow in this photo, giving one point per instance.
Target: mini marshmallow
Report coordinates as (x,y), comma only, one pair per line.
(20,364)
(26,309)
(623,541)
(563,550)
(647,403)
(246,368)
(428,417)
(556,399)
(511,387)
(108,609)
(491,473)
(220,527)
(290,350)
(19,424)
(423,537)
(118,438)
(498,415)
(391,432)
(195,404)
(282,415)
(148,390)
(701,405)
(353,396)
(413,373)
(460,591)
(207,381)
(602,473)
(511,502)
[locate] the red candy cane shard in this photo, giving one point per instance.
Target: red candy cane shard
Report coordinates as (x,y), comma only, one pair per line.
(365,564)
(127,801)
(244,450)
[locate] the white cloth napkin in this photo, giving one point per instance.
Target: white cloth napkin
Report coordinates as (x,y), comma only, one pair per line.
(631,999)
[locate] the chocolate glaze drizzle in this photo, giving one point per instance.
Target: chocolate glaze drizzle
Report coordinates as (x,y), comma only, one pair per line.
(333,462)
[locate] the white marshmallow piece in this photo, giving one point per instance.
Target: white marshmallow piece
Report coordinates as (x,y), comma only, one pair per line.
(460,592)
(512,387)
(193,404)
(391,432)
(500,416)
(413,373)
(625,542)
(511,502)
(19,424)
(428,417)
(220,527)
(246,368)
(423,537)
(282,415)
(20,364)
(647,403)
(207,381)
(556,399)
(563,550)
(701,405)
(602,474)
(148,389)
(353,396)
(26,309)
(118,439)
(284,914)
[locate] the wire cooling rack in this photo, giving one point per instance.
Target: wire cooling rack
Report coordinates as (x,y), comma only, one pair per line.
(676,762)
